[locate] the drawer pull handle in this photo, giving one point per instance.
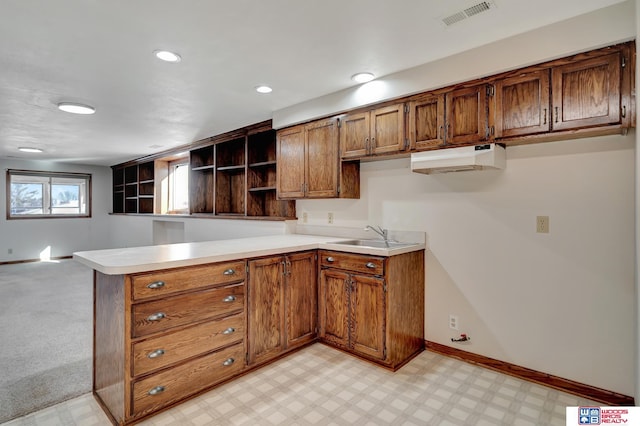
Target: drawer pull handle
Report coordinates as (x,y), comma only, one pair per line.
(156,285)
(229,330)
(229,361)
(330,259)
(229,272)
(157,390)
(370,265)
(156,353)
(229,299)
(156,317)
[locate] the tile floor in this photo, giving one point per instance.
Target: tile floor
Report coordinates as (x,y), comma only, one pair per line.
(322,386)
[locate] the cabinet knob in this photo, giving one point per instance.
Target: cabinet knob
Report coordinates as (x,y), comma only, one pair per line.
(156,317)
(155,285)
(157,390)
(229,361)
(229,272)
(330,259)
(370,265)
(156,353)
(229,299)
(229,330)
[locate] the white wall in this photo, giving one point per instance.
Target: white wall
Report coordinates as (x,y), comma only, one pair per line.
(27,238)
(136,231)
(560,303)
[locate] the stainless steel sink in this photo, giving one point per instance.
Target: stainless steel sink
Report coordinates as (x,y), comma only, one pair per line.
(373,243)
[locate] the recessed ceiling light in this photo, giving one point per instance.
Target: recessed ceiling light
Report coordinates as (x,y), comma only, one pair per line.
(28,149)
(76,108)
(362,77)
(264,89)
(167,56)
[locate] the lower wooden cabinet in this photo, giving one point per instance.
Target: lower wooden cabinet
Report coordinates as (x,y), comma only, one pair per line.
(154,348)
(282,304)
(164,336)
(373,306)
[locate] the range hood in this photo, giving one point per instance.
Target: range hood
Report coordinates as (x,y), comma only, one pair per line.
(478,157)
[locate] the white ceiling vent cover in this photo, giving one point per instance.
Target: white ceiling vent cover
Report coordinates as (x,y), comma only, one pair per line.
(468,12)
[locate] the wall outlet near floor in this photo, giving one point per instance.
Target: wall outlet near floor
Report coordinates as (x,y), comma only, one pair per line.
(542,224)
(10,251)
(453,322)
(305,217)
(330,217)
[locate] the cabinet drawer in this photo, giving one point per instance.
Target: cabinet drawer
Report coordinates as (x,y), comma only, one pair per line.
(170,348)
(169,386)
(162,283)
(159,315)
(352,262)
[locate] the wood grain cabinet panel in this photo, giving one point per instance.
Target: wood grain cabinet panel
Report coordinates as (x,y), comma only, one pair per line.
(522,104)
(586,93)
(292,162)
(156,353)
(160,284)
(159,390)
(376,132)
(426,122)
(283,299)
(156,316)
(334,307)
(309,166)
(467,115)
(373,307)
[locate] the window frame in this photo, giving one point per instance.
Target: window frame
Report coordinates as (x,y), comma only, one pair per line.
(46,195)
(172,165)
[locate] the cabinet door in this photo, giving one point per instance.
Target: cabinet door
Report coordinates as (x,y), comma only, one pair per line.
(301,298)
(321,143)
(368,313)
(265,314)
(387,130)
(354,135)
(334,307)
(467,115)
(290,173)
(522,105)
(426,123)
(586,93)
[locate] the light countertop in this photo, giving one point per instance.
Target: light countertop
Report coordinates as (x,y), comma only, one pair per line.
(151,258)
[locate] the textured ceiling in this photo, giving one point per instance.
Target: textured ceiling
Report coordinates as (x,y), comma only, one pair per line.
(100,53)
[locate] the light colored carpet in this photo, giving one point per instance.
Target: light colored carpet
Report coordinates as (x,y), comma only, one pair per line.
(46,319)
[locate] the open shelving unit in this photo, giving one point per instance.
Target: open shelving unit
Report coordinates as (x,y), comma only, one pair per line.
(230,175)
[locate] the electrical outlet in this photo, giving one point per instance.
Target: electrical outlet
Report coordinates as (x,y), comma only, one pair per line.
(10,251)
(542,224)
(330,217)
(453,322)
(305,217)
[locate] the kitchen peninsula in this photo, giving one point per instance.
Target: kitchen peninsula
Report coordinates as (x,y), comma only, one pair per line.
(172,321)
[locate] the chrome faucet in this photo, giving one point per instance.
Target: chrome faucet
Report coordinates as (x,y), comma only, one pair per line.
(380,231)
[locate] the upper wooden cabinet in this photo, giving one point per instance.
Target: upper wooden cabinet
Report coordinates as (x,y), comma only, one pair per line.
(522,104)
(457,117)
(376,132)
(426,122)
(309,166)
(587,93)
(467,115)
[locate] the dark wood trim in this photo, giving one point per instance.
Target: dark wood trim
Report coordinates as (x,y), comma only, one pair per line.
(12,262)
(208,216)
(555,382)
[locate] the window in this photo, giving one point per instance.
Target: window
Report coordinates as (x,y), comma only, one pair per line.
(179,186)
(32,194)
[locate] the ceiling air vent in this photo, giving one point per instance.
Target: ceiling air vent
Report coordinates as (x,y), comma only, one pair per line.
(468,12)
